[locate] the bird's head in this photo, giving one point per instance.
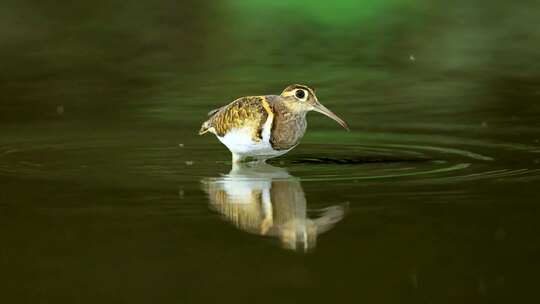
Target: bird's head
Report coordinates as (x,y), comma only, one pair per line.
(301,98)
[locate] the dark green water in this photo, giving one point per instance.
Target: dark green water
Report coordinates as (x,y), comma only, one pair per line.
(108,195)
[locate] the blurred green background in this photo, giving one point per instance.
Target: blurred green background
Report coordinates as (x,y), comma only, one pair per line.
(170,57)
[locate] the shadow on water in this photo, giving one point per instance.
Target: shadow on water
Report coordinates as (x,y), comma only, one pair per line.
(265,200)
(352,160)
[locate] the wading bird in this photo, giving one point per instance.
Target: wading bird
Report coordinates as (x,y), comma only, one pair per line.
(263,127)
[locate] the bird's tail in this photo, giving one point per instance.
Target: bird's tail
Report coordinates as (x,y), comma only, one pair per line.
(204,128)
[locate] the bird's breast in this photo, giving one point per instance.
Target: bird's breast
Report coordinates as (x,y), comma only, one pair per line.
(287,130)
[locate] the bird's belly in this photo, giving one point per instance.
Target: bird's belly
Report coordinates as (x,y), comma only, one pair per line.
(240,141)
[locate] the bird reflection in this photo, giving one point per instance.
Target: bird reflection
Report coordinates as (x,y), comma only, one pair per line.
(266,200)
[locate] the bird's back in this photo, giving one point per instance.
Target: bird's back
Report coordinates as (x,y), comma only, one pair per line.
(245,112)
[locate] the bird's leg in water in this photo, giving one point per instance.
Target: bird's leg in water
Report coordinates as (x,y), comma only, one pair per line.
(268,220)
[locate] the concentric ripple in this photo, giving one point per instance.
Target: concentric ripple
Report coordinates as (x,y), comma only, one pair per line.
(378,157)
(416,158)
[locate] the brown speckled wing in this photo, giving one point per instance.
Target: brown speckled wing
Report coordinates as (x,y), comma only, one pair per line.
(243,112)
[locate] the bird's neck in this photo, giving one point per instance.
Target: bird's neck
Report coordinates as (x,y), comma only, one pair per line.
(287,112)
(288,127)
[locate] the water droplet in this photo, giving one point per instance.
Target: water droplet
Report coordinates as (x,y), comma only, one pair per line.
(500,281)
(181,193)
(482,288)
(60,110)
(412,58)
(181,145)
(413,277)
(500,234)
(189,162)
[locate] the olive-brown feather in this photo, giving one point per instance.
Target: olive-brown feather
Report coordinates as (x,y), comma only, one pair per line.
(288,127)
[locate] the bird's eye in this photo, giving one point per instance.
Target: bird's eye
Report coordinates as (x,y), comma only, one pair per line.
(300,94)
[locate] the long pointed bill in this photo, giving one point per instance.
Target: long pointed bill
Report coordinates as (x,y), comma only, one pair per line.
(324,110)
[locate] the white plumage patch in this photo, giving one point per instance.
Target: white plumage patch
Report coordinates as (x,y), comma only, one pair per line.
(240,142)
